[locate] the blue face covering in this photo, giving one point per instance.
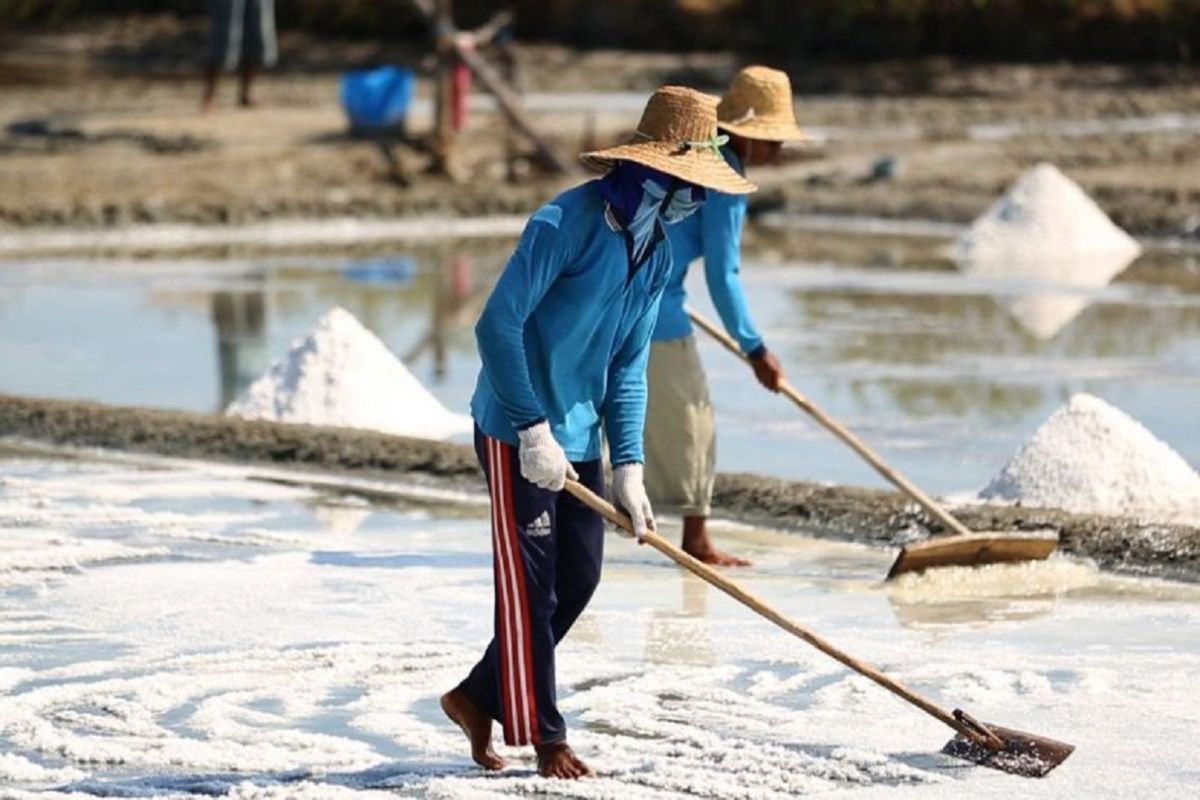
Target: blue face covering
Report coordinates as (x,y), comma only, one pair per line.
(685,202)
(637,194)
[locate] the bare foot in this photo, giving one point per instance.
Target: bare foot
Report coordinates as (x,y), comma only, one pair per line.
(475,724)
(558,760)
(714,557)
(697,544)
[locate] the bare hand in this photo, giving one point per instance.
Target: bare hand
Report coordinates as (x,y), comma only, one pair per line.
(768,370)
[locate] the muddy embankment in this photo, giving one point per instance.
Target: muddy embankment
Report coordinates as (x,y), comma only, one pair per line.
(852,514)
(100,128)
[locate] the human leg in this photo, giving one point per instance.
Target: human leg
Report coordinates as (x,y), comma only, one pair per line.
(259,47)
(514,681)
(224,44)
(580,544)
(681,444)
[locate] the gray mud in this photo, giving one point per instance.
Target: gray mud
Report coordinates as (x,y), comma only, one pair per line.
(868,516)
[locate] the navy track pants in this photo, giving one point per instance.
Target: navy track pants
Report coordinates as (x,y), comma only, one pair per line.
(547,549)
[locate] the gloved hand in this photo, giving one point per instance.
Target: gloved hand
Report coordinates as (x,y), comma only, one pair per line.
(629,494)
(543,462)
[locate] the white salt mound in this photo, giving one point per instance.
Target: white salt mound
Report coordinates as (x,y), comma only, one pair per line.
(1045,213)
(342,375)
(1091,457)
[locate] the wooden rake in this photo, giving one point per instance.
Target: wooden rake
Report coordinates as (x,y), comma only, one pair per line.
(964,548)
(990,745)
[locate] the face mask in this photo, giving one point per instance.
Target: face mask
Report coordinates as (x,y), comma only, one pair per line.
(641,225)
(639,192)
(684,203)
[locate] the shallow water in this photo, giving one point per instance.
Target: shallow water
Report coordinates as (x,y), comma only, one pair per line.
(197,631)
(945,373)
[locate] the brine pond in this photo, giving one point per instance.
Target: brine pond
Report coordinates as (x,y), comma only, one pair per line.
(945,372)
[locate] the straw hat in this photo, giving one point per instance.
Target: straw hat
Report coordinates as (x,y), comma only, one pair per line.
(758,105)
(677,135)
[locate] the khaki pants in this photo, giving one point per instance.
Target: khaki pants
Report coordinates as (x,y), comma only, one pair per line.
(681,441)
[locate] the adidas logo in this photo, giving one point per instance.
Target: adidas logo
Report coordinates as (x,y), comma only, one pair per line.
(540,526)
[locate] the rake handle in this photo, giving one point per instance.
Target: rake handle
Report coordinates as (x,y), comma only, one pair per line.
(760,607)
(846,435)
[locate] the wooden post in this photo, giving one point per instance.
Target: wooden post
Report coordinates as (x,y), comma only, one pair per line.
(444,134)
(449,49)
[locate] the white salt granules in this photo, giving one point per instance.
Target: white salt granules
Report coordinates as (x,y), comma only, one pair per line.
(1090,457)
(342,375)
(1044,213)
(1048,241)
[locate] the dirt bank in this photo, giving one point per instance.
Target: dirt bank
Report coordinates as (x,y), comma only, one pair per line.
(101,128)
(848,513)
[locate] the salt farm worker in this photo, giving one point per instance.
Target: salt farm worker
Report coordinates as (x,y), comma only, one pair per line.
(758,115)
(564,340)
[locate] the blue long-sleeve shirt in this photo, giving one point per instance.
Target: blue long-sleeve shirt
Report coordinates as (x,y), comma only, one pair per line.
(714,232)
(565,335)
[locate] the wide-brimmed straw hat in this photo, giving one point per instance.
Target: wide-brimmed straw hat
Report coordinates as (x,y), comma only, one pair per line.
(759,105)
(678,135)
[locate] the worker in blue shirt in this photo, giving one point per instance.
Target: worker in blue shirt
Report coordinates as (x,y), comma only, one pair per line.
(758,114)
(563,342)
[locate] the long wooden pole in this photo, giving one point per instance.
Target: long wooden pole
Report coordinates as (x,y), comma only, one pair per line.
(843,433)
(975,732)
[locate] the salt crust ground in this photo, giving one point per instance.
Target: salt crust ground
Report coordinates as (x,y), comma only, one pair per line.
(269,657)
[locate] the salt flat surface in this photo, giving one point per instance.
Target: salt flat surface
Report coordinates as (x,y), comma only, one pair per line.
(191,632)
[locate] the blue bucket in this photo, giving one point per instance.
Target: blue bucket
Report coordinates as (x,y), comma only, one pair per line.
(397,271)
(377,98)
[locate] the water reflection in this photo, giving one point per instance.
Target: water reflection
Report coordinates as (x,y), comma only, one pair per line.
(682,636)
(382,293)
(456,304)
(984,346)
(946,370)
(239,319)
(1049,292)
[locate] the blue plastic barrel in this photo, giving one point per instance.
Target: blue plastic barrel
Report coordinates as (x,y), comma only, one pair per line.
(377,98)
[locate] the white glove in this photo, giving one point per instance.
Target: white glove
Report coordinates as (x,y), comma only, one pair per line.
(543,462)
(629,493)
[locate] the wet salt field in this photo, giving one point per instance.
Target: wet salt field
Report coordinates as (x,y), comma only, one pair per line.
(945,372)
(183,630)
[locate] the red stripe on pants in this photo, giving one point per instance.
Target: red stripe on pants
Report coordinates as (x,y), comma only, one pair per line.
(523,604)
(516,649)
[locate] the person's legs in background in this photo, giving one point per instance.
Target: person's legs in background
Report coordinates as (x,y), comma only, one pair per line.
(681,444)
(259,46)
(224,44)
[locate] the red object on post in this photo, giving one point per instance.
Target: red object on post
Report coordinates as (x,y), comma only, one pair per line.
(460,90)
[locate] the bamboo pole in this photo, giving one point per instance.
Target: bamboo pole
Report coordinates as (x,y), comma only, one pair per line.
(961,723)
(849,437)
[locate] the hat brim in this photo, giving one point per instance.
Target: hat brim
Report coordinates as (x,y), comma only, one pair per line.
(766,130)
(702,167)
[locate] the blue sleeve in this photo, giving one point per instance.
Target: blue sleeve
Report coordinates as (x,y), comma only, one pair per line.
(500,333)
(721,232)
(625,407)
